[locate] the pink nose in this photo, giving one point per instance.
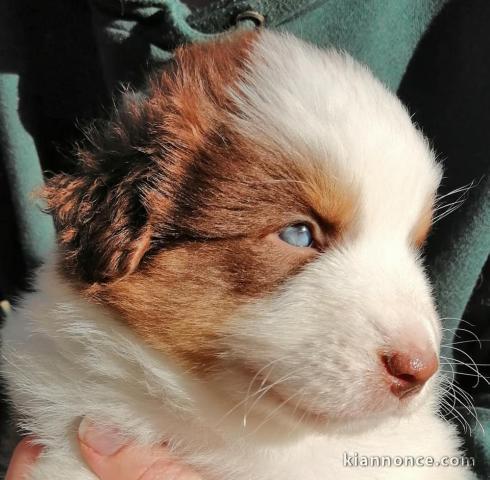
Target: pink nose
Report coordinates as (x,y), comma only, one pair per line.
(408,371)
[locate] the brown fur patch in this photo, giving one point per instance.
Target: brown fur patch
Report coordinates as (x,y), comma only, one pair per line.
(171,219)
(421,230)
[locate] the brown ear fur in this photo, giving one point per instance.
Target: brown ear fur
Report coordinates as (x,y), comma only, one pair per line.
(100,232)
(99,210)
(120,201)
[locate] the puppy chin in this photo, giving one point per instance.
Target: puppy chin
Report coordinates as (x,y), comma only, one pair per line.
(355,424)
(391,410)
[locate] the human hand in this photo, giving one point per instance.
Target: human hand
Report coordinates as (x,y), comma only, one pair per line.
(110,457)
(23,458)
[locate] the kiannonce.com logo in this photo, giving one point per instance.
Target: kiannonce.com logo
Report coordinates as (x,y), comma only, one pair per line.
(356,460)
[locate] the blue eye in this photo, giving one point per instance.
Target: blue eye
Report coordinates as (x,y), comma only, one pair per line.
(298,235)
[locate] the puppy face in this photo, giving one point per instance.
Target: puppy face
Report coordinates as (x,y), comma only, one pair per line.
(257,216)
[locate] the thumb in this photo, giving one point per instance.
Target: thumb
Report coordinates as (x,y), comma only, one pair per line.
(22,460)
(111,457)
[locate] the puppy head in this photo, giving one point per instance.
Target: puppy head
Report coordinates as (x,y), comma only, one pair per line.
(257,217)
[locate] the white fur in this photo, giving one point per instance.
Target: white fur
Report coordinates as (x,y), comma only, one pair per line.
(316,337)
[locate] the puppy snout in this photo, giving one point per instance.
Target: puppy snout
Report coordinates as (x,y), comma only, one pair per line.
(408,371)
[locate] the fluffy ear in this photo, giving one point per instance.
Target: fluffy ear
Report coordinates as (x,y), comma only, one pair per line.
(101,223)
(99,211)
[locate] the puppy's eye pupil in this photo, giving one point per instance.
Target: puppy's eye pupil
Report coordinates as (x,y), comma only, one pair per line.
(298,235)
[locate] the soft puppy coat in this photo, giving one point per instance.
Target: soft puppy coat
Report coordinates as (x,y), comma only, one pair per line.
(238,274)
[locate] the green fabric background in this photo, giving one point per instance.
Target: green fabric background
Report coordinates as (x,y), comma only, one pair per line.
(82,51)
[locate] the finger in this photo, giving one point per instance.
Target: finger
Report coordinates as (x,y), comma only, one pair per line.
(110,458)
(22,460)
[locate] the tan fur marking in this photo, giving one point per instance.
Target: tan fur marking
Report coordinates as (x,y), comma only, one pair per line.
(421,230)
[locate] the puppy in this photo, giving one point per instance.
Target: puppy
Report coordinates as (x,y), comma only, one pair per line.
(238,274)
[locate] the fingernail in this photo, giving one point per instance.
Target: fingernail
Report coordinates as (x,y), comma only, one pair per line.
(105,441)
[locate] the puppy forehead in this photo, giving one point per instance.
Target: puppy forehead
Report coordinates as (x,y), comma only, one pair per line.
(261,121)
(225,168)
(328,113)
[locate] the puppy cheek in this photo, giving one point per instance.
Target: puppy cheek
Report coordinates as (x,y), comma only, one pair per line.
(182,299)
